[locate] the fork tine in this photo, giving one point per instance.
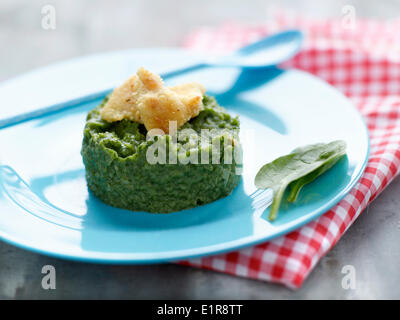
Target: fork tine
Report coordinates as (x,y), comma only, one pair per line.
(256,193)
(261,199)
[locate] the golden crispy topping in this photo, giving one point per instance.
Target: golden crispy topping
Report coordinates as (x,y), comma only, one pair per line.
(145,99)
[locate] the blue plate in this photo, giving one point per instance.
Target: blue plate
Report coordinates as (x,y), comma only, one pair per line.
(44,202)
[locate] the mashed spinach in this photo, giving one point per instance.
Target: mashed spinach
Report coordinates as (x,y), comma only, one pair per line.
(119,173)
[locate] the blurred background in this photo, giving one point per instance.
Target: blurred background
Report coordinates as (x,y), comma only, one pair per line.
(85,27)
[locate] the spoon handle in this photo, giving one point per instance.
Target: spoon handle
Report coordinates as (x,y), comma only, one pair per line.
(84,99)
(26,116)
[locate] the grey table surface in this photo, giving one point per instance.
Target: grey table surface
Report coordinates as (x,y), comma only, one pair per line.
(371,245)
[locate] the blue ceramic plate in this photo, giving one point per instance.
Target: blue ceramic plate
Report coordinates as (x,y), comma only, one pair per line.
(44,202)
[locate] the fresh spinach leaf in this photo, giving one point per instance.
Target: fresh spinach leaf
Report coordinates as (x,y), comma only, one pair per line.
(296,169)
(297,185)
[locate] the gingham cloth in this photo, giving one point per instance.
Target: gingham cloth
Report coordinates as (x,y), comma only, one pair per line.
(364,63)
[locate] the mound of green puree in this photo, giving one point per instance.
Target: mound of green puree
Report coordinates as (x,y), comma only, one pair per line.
(118,172)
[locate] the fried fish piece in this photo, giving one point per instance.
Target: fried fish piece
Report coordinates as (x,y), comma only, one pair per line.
(145,99)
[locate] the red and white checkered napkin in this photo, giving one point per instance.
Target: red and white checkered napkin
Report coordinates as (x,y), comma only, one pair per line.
(362,62)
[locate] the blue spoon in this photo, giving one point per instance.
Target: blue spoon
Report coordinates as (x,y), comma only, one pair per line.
(267,52)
